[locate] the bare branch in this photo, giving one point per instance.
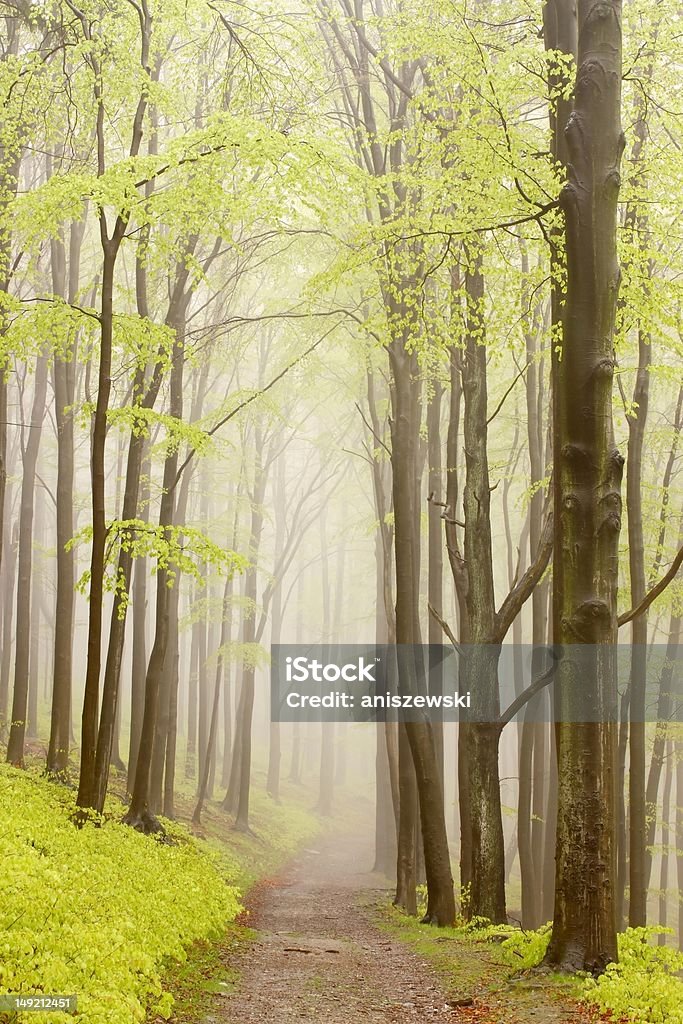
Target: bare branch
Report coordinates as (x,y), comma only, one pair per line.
(653,594)
(519,594)
(525,696)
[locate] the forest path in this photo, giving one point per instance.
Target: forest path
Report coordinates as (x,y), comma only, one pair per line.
(319,955)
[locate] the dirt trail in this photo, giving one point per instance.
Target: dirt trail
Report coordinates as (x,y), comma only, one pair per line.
(319,956)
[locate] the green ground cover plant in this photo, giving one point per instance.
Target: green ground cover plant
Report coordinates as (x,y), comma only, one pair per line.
(107,913)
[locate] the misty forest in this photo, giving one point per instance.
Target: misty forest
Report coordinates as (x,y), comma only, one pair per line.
(340,322)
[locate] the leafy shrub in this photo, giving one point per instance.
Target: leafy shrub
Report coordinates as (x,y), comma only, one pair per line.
(97,911)
(643,986)
(526,949)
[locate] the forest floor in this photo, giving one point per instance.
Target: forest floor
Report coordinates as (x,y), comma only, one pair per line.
(323,946)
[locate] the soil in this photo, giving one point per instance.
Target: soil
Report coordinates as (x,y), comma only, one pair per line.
(320,953)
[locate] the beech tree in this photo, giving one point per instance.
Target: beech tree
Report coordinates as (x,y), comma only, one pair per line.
(588,468)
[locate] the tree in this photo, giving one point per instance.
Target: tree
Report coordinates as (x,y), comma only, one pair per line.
(587,473)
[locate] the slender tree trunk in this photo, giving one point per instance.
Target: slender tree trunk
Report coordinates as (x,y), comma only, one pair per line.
(419,734)
(110,246)
(637,421)
(678,749)
(327,729)
(173,663)
(8,605)
(64,384)
(487,894)
(139,660)
(666,848)
(36,624)
(248,670)
(221,657)
(91,700)
(435,559)
(664,708)
(192,704)
(139,815)
(15,746)
(274,745)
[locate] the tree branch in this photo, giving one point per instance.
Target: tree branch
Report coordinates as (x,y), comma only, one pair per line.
(518,595)
(525,696)
(445,627)
(653,594)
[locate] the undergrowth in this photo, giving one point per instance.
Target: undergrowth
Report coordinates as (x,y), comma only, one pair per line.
(104,912)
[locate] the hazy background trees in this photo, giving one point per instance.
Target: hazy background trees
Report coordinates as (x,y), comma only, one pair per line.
(281,319)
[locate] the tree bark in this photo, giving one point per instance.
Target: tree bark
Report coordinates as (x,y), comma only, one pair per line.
(15,745)
(63,377)
(587,518)
(248,669)
(405,401)
(139,815)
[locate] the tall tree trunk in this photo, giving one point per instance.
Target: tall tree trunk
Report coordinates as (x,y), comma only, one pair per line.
(588,469)
(327,729)
(435,558)
(666,848)
(8,605)
(221,657)
(487,895)
(15,745)
(678,749)
(110,246)
(248,670)
(139,815)
(34,658)
(63,379)
(405,400)
(139,659)
(192,703)
(664,709)
(637,421)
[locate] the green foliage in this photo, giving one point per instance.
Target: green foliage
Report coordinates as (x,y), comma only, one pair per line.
(97,911)
(645,986)
(175,549)
(526,949)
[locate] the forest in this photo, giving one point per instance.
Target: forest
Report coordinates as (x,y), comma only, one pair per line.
(339,326)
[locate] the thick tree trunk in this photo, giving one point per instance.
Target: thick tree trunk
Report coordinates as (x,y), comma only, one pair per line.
(587,519)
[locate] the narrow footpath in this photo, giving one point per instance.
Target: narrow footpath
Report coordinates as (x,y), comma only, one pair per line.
(320,955)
